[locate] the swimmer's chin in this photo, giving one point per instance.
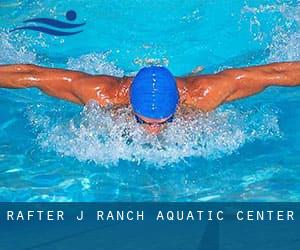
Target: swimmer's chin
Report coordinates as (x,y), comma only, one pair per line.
(153,129)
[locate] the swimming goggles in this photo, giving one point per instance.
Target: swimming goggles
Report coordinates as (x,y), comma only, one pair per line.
(141,121)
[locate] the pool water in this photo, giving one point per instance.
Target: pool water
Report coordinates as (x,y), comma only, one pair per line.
(248,150)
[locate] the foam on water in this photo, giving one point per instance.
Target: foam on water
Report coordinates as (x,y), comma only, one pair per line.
(13,51)
(106,136)
(285,44)
(95,63)
(285,38)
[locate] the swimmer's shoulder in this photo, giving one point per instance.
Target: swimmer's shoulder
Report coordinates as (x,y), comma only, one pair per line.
(205,92)
(191,85)
(104,89)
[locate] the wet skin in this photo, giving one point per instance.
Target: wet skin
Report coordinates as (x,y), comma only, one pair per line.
(153,126)
(203,92)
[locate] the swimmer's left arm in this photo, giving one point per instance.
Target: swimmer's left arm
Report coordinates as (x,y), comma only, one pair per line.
(252,80)
(207,92)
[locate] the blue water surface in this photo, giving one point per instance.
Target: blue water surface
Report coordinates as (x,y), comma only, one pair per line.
(52,150)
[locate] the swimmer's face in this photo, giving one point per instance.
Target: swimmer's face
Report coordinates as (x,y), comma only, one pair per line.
(153,126)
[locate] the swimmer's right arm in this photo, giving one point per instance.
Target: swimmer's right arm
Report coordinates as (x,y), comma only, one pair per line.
(54,82)
(74,86)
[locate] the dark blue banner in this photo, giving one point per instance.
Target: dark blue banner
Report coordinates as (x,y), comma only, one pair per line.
(205,226)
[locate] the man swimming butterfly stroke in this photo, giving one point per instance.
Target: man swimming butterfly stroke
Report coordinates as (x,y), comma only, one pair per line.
(154,93)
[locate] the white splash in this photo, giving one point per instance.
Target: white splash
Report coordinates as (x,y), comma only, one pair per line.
(285,42)
(285,45)
(12,51)
(106,136)
(95,63)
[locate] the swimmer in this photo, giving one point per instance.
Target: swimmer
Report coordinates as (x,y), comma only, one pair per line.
(154,93)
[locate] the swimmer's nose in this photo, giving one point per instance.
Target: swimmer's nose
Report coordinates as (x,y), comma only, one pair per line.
(153,129)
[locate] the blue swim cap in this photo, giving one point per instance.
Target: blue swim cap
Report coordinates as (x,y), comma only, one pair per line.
(154,93)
